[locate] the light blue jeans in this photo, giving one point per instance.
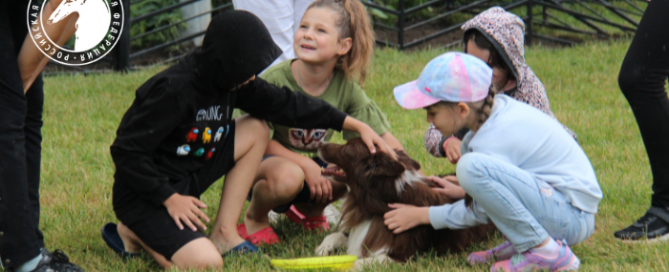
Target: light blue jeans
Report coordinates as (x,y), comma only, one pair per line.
(527,210)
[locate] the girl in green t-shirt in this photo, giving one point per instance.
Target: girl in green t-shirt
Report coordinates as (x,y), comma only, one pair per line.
(334,44)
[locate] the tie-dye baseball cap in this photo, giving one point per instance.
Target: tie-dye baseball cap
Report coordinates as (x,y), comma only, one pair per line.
(452,77)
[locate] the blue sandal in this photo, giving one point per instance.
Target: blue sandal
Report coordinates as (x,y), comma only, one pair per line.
(244,248)
(113,240)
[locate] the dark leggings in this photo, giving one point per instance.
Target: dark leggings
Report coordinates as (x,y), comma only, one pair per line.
(20,144)
(642,80)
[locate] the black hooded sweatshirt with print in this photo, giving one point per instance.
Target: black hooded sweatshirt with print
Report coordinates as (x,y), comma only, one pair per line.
(181,116)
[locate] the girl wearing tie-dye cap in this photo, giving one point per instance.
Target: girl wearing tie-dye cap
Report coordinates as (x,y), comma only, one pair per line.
(523,170)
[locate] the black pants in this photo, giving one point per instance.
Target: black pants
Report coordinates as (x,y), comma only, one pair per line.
(20,144)
(642,80)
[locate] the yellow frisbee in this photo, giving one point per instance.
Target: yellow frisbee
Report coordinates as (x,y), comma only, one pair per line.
(333,262)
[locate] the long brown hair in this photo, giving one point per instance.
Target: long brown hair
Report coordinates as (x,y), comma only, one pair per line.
(353,23)
(483,111)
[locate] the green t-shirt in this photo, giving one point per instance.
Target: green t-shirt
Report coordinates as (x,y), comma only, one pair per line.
(344,94)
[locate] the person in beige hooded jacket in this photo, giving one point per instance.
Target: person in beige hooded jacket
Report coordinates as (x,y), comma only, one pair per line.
(497,37)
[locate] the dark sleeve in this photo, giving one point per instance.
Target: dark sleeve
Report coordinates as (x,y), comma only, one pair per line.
(435,147)
(461,133)
(150,119)
(287,108)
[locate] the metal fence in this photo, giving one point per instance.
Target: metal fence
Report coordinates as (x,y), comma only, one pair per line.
(544,18)
(537,13)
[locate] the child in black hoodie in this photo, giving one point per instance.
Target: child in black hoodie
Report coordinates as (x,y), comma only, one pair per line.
(178,137)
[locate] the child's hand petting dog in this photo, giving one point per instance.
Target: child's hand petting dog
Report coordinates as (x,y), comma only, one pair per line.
(186,209)
(448,187)
(405,217)
(321,188)
(368,136)
(452,150)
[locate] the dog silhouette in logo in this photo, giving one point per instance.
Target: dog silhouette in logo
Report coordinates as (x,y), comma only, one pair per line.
(206,136)
(192,135)
(210,154)
(307,138)
(92,25)
(183,150)
(218,134)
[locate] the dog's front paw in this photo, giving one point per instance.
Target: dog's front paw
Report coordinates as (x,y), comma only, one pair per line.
(359,265)
(331,242)
(324,250)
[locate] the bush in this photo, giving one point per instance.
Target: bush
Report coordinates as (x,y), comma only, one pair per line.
(162,19)
(391,19)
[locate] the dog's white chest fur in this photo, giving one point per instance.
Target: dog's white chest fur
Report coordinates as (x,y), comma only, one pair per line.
(407,178)
(356,238)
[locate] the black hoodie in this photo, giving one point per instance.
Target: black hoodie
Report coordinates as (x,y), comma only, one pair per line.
(183,114)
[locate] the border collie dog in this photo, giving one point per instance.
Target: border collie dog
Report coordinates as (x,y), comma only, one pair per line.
(374,181)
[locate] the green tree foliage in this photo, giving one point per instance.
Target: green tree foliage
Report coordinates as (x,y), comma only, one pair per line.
(159,20)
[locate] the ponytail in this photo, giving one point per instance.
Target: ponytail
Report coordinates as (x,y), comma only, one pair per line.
(353,23)
(484,111)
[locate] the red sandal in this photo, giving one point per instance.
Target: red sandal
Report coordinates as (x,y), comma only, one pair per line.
(310,223)
(263,236)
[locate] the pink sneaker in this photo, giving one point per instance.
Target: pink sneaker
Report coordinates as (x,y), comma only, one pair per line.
(562,260)
(503,251)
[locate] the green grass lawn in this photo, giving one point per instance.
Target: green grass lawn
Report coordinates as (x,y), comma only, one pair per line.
(82,113)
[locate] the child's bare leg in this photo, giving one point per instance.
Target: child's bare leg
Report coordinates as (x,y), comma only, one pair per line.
(133,244)
(251,139)
(31,60)
(279,182)
(199,254)
(130,240)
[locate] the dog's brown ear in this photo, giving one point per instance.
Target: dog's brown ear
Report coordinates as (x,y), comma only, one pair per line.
(382,165)
(375,176)
(404,157)
(415,164)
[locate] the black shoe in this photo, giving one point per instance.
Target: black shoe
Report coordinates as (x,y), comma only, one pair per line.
(56,261)
(652,227)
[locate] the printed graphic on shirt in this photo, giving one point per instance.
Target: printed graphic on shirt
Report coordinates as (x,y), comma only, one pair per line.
(206,136)
(192,135)
(199,152)
(183,150)
(210,153)
(219,133)
(307,138)
(227,129)
(210,114)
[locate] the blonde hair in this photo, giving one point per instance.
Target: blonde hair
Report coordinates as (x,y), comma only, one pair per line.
(483,107)
(353,23)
